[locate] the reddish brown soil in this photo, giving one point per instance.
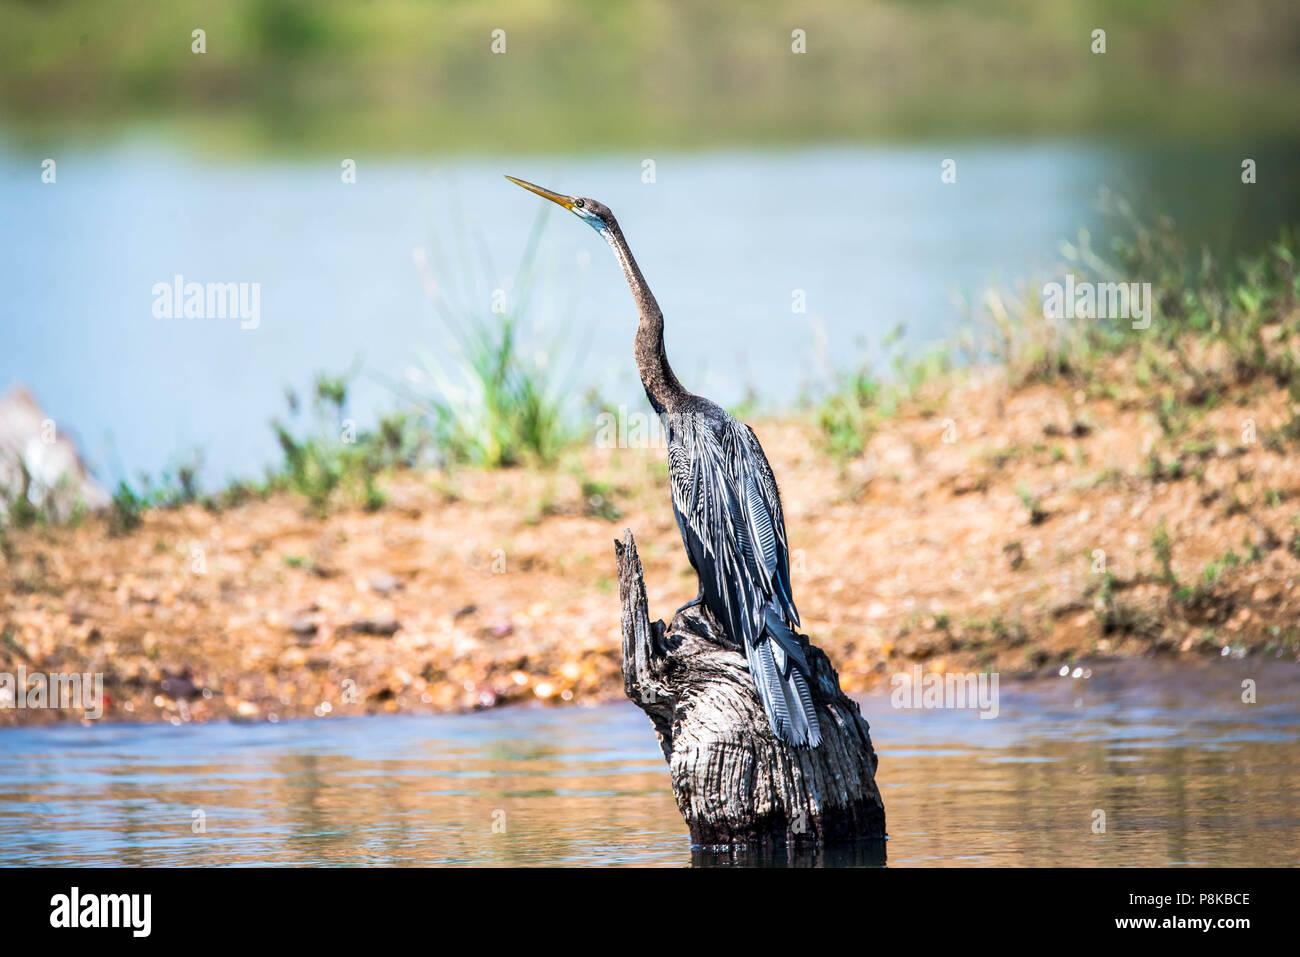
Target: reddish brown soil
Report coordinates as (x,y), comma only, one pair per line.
(477,589)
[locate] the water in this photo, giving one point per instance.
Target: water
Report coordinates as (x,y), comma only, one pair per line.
(1185,772)
(869,235)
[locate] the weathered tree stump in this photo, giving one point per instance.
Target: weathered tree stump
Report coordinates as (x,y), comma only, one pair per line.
(736,783)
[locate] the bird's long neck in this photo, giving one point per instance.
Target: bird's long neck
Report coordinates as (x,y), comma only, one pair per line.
(661,385)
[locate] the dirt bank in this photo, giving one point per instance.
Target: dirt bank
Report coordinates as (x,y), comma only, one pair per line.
(983,528)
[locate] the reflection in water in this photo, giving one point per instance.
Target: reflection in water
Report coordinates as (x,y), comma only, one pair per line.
(867,853)
(1182,770)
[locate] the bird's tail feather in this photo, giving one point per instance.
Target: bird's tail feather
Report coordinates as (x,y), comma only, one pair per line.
(780,673)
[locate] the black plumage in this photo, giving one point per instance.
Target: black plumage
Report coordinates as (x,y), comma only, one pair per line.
(728,510)
(727,507)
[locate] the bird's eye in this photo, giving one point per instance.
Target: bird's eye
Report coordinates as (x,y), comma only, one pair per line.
(580,203)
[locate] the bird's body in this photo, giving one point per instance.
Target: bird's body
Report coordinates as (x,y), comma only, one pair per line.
(728,509)
(727,506)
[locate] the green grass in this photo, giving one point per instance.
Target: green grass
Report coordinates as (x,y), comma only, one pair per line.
(852,409)
(127,510)
(333,461)
(1033,504)
(598,499)
(1162,547)
(1244,308)
(499,401)
(1218,327)
(849,415)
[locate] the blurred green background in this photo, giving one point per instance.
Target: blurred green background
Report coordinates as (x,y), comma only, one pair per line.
(401,76)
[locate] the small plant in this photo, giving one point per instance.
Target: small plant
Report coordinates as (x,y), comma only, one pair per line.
(598,500)
(19,510)
(1215,324)
(127,509)
(847,417)
(502,402)
(1037,514)
(372,499)
(1159,470)
(849,413)
(1163,548)
(333,457)
(1171,416)
(1210,574)
(26,502)
(235,494)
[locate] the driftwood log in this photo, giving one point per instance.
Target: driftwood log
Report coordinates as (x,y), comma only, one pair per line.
(737,784)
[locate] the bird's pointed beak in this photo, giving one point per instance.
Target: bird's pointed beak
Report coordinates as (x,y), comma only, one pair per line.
(560,198)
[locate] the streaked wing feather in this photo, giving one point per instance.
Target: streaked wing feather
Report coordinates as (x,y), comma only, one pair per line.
(725,498)
(766,490)
(715,522)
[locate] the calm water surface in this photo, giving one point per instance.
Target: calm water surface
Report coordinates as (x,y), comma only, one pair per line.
(1185,773)
(869,236)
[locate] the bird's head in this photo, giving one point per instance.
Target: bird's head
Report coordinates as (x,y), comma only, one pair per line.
(594,214)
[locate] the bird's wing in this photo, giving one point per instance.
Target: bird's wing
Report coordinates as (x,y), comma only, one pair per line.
(765,505)
(735,540)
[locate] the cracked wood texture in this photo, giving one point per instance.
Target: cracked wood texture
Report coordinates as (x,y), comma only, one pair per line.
(736,783)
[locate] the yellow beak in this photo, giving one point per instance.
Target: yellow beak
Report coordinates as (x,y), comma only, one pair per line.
(560,198)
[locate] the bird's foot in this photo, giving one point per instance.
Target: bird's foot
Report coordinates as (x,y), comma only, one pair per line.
(690,604)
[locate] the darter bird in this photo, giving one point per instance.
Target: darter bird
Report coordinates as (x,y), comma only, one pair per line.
(727,507)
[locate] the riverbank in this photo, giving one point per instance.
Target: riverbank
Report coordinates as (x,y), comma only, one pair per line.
(1093,489)
(984,526)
